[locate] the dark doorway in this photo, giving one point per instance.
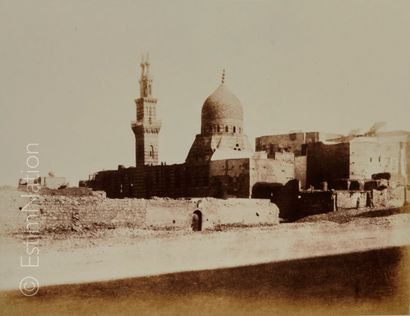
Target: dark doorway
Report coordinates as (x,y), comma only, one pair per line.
(196,221)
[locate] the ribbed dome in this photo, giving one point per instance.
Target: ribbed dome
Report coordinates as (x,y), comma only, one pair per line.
(222,110)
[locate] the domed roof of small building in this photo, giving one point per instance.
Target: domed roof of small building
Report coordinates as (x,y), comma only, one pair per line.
(222,105)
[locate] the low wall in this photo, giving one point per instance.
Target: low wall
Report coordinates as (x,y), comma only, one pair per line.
(389,197)
(237,212)
(168,213)
(89,212)
(294,204)
(350,199)
(315,202)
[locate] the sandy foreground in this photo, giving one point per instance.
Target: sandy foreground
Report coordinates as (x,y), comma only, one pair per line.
(125,253)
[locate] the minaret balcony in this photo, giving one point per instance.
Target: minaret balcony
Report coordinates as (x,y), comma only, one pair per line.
(146,124)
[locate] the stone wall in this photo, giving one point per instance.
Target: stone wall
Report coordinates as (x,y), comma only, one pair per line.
(89,212)
(327,162)
(350,199)
(63,213)
(294,203)
(72,191)
(177,180)
(271,171)
(230,178)
(300,170)
(218,213)
(238,177)
(315,202)
(371,155)
(389,197)
(291,142)
(53,182)
(357,159)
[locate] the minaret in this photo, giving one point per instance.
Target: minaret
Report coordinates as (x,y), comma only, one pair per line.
(146,127)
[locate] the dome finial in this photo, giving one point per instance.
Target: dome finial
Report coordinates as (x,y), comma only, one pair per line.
(223,75)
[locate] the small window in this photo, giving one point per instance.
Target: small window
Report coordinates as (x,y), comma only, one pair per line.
(234,129)
(371,159)
(151,151)
(219,128)
(226,129)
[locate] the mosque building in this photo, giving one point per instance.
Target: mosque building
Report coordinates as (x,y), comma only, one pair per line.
(220,163)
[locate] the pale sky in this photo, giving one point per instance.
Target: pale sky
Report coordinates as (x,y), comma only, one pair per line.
(69,73)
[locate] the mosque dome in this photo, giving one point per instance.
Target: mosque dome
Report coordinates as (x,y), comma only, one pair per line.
(222,112)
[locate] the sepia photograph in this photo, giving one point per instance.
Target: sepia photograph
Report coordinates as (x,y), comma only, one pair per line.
(231,157)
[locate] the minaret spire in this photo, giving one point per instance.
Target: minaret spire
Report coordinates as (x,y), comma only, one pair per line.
(142,64)
(147,63)
(146,78)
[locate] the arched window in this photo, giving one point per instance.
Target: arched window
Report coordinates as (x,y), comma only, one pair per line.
(226,129)
(234,129)
(151,151)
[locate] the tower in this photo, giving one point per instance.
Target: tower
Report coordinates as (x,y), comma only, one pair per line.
(146,127)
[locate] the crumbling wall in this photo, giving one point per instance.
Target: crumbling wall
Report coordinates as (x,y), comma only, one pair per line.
(72,191)
(78,213)
(88,212)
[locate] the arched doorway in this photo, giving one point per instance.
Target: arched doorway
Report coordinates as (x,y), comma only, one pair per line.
(196,221)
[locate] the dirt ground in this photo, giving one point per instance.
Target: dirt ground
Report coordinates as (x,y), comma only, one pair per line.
(366,283)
